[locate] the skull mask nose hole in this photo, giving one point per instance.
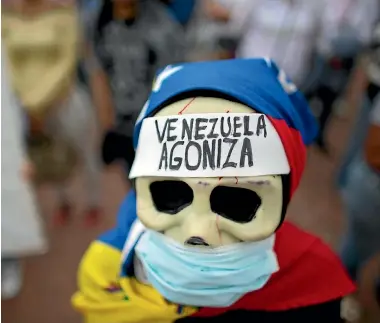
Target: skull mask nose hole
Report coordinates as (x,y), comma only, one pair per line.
(171,196)
(235,203)
(196,241)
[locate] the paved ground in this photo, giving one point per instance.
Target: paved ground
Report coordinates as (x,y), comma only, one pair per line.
(50,279)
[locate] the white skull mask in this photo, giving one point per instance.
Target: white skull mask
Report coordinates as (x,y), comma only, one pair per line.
(210,211)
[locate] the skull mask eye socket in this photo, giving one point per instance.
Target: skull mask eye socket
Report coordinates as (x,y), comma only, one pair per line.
(171,196)
(235,203)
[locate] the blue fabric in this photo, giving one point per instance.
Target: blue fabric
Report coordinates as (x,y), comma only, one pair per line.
(126,216)
(182,10)
(254,82)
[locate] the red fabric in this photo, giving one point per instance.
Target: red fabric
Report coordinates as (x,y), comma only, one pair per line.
(310,273)
(295,151)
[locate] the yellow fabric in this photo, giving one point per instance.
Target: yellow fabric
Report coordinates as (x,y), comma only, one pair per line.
(43,54)
(133,303)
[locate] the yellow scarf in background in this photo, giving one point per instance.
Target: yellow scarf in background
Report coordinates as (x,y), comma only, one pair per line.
(43,55)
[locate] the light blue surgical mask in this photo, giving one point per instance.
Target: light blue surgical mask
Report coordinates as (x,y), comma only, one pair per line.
(215,277)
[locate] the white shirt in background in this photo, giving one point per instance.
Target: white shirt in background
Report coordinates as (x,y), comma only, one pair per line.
(358,15)
(289,31)
(292,31)
(22,231)
(205,32)
(284,30)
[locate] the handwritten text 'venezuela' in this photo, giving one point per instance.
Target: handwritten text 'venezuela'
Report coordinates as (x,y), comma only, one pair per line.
(212,140)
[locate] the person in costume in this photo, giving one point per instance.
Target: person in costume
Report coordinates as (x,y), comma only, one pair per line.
(347,28)
(220,151)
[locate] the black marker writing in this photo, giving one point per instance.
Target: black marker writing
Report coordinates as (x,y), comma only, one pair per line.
(227,162)
(261,126)
(200,125)
(161,135)
(177,160)
(199,155)
(171,128)
(164,156)
(246,153)
(208,143)
(237,125)
(209,154)
(219,153)
(222,130)
(187,129)
(212,133)
(213,128)
(247,132)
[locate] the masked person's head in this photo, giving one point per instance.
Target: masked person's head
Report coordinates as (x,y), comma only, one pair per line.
(224,173)
(220,152)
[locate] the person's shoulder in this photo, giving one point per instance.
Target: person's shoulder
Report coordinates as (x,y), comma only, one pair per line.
(304,257)
(294,243)
(309,274)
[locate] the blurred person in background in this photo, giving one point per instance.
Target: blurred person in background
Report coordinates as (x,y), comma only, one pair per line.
(21,226)
(41,40)
(129,40)
(361,171)
(361,198)
(88,9)
(359,184)
(288,31)
(367,69)
(214,29)
(347,29)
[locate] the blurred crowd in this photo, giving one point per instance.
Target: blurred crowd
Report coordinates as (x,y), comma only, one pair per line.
(77,75)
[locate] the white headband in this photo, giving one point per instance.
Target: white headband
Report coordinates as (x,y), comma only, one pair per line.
(209,145)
